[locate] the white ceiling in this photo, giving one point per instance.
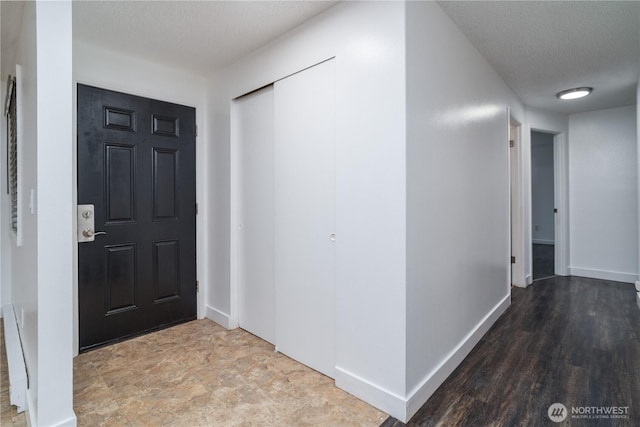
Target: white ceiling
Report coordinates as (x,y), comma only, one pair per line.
(542,47)
(200,36)
(11,13)
(538,47)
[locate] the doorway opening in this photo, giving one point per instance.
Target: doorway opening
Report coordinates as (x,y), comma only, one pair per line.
(543,210)
(517,275)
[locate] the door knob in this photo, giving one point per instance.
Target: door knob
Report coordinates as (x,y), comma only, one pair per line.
(89,233)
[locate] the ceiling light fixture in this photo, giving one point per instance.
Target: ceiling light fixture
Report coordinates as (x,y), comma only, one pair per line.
(576,93)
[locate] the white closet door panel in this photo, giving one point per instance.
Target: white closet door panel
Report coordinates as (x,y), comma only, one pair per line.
(305,216)
(256,304)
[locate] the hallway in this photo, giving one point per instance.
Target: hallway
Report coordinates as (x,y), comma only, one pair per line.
(543,261)
(570,340)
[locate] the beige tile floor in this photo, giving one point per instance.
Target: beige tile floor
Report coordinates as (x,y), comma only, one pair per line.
(199,374)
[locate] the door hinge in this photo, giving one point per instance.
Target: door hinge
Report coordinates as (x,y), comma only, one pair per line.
(512,143)
(513,260)
(196,130)
(196,209)
(197,286)
(555,210)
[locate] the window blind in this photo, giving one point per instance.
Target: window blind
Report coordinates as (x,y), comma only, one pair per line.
(12,142)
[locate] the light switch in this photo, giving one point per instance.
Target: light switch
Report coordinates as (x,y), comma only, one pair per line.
(32,204)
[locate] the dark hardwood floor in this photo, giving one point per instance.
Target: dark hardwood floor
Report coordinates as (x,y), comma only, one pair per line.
(543,261)
(569,340)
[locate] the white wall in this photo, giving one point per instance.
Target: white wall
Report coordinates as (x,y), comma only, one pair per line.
(5,238)
(24,259)
(41,276)
(542,188)
(604,194)
(458,234)
(10,18)
(106,69)
(367,39)
(54,215)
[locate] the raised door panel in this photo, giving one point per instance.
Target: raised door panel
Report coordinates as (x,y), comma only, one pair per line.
(120,279)
(119,119)
(166,270)
(165,168)
(120,182)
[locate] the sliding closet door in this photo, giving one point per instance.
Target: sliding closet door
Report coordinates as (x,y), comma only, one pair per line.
(304,107)
(253,122)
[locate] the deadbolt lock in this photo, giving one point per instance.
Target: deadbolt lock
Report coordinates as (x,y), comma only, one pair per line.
(86,224)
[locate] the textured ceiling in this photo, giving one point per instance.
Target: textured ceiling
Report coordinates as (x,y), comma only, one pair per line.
(199,36)
(11,15)
(542,47)
(538,47)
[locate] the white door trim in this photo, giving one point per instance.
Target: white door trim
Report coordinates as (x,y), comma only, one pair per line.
(516,193)
(561,201)
(230,320)
(561,182)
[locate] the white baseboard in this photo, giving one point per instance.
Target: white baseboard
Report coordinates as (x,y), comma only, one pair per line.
(69,422)
(222,319)
(18,382)
(419,395)
(603,274)
(404,408)
(543,242)
(32,419)
(383,399)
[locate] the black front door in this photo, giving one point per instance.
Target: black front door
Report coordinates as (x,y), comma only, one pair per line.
(136,165)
